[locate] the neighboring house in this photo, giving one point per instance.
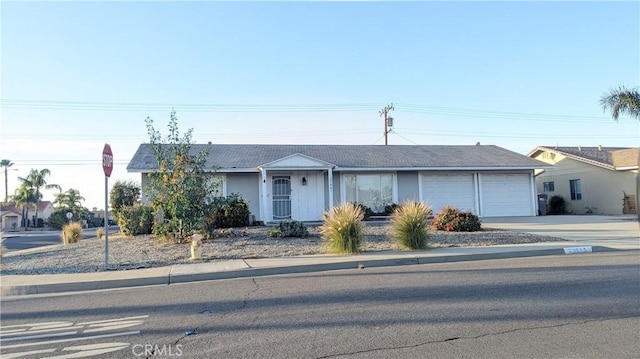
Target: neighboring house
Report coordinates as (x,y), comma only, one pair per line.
(302,181)
(9,219)
(45,209)
(599,180)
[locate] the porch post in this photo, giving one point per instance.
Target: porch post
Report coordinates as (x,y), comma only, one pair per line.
(263,201)
(534,195)
(330,178)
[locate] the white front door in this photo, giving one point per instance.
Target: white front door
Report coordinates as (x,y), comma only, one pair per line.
(298,196)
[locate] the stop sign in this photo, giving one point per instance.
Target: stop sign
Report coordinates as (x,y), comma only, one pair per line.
(107,160)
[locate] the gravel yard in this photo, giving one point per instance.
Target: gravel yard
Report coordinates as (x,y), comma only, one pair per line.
(252,242)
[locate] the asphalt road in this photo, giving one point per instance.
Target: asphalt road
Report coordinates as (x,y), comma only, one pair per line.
(27,240)
(571,306)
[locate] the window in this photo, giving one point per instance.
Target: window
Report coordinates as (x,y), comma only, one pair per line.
(374,191)
(548,187)
(576,189)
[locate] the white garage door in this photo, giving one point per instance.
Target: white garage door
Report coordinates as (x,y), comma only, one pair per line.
(505,195)
(441,190)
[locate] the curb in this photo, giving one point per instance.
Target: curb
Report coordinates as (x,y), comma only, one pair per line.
(349,263)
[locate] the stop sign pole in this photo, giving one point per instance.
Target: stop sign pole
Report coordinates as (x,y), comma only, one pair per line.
(107,166)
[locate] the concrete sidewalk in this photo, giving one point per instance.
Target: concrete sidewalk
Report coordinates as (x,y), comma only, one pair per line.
(591,234)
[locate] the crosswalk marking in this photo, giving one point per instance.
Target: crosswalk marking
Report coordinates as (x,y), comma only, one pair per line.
(52,336)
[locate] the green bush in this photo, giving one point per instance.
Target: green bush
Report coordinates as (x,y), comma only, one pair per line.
(71,233)
(390,208)
(452,219)
(136,219)
(289,228)
(410,225)
(58,219)
(366,211)
(342,229)
(226,212)
(557,205)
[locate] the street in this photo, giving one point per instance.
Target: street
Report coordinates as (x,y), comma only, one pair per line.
(26,240)
(582,305)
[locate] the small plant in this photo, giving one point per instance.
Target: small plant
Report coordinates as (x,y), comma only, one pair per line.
(289,228)
(71,233)
(452,219)
(343,229)
(390,208)
(100,233)
(557,205)
(410,225)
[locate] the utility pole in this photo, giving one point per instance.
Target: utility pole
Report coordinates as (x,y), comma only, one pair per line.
(388,121)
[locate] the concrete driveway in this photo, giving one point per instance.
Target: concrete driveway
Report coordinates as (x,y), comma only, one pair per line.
(621,232)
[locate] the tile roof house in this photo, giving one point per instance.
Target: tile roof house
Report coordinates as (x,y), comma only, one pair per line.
(302,181)
(599,180)
(45,209)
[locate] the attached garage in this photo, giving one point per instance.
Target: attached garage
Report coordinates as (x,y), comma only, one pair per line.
(439,190)
(506,195)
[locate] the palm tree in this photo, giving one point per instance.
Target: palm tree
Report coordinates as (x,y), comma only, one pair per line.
(623,101)
(36,180)
(24,196)
(70,199)
(6,164)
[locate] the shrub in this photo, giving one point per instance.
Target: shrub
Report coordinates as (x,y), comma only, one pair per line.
(410,225)
(390,208)
(366,211)
(58,219)
(557,205)
(136,219)
(452,219)
(226,212)
(289,228)
(100,232)
(343,229)
(71,233)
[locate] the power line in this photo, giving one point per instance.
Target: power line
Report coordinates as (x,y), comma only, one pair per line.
(267,108)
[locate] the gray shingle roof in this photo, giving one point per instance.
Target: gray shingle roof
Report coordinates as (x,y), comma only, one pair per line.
(352,156)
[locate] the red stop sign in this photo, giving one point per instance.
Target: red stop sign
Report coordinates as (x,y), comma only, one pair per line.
(107,160)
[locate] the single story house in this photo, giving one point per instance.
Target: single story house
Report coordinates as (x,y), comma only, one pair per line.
(598,180)
(10,220)
(302,181)
(45,209)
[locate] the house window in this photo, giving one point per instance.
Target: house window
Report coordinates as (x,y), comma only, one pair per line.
(374,191)
(576,189)
(219,182)
(548,187)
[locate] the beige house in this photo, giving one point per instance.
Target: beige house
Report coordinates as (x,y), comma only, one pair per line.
(592,180)
(45,209)
(10,220)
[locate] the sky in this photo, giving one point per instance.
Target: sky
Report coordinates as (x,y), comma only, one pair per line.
(76,75)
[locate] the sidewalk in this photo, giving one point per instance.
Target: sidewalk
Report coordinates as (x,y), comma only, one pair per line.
(54,283)
(612,235)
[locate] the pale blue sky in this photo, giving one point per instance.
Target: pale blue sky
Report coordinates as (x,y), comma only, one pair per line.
(515,74)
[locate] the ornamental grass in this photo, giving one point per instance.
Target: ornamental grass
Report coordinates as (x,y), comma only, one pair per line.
(343,229)
(410,225)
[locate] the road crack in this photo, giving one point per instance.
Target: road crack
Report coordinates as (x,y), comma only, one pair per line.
(440,341)
(194,331)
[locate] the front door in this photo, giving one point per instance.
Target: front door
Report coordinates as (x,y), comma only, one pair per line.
(281,191)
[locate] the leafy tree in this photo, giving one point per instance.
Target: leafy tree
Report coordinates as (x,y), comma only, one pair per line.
(124,193)
(178,190)
(36,180)
(6,164)
(623,101)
